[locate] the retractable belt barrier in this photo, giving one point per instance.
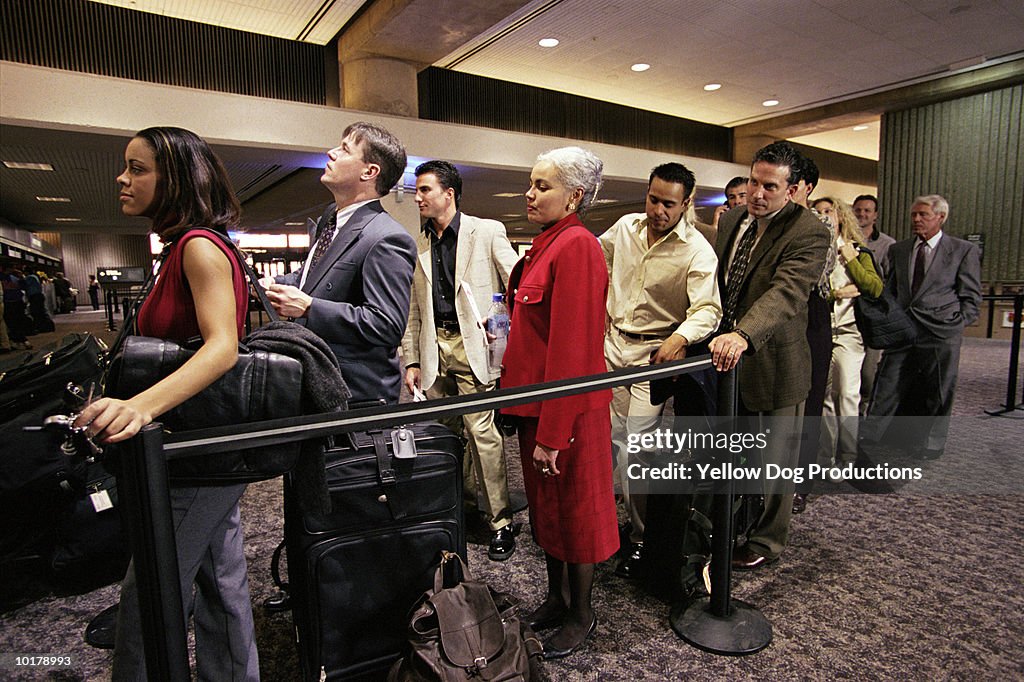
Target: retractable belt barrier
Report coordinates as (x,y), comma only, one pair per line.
(144,484)
(1011,403)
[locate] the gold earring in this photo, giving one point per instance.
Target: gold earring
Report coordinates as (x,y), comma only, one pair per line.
(572,206)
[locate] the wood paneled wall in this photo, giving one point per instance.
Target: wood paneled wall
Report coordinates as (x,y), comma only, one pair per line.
(463,98)
(76,35)
(971,151)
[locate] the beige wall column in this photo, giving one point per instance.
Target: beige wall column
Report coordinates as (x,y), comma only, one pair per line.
(380,84)
(383,49)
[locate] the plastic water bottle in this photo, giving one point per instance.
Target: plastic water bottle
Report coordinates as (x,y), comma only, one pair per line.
(497,326)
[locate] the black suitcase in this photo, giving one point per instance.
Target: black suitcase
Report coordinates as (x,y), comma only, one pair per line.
(53,537)
(356,574)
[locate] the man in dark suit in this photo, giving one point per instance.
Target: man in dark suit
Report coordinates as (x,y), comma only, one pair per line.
(354,288)
(770,253)
(935,277)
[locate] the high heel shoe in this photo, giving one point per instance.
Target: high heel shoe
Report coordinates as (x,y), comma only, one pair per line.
(551,652)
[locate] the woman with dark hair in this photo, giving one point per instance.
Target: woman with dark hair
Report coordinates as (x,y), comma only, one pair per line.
(557,297)
(173,178)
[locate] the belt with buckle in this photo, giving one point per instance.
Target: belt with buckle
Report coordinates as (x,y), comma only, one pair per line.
(641,337)
(450,326)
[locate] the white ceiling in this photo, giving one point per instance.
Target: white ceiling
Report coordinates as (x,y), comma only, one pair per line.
(312,21)
(804,53)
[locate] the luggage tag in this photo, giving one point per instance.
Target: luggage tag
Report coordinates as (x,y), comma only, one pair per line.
(403,443)
(101,500)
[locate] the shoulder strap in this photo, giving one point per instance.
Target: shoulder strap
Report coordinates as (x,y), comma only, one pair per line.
(147,288)
(250,274)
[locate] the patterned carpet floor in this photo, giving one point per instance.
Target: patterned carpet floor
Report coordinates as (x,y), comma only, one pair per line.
(906,586)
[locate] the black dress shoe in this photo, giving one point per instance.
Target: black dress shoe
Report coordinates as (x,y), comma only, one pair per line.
(799,503)
(746,559)
(546,622)
(632,565)
(102,629)
(927,454)
(502,545)
(551,652)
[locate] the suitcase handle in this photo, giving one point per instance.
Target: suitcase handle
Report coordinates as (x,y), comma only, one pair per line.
(388,478)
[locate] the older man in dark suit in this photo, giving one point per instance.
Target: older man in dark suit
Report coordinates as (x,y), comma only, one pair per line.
(354,288)
(770,253)
(935,277)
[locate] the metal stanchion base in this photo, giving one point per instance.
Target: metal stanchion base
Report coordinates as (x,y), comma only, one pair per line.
(744,631)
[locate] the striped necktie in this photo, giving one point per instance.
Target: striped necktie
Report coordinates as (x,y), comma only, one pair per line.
(736,272)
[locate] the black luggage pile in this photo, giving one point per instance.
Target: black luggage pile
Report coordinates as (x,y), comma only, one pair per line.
(356,574)
(53,538)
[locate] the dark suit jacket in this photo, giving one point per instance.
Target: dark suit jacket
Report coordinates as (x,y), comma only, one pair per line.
(360,291)
(772,308)
(950,294)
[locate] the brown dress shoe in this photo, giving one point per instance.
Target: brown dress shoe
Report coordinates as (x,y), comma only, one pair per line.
(746,559)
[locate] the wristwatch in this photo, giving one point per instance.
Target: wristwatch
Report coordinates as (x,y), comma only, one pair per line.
(743,334)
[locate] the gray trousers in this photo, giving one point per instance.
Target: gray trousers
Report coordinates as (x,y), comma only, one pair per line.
(208,534)
(925,373)
(771,534)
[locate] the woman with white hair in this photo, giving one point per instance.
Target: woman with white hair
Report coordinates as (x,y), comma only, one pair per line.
(557,297)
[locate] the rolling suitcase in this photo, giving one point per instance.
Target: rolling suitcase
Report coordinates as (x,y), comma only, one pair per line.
(356,574)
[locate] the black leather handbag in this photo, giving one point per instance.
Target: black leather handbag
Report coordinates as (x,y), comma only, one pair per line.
(882,322)
(261,385)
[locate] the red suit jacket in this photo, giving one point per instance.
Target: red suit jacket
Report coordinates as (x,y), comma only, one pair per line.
(557,295)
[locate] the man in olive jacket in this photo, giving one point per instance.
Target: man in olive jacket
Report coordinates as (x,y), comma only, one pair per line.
(770,253)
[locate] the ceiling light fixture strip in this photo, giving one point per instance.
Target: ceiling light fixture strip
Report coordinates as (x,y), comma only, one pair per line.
(318,16)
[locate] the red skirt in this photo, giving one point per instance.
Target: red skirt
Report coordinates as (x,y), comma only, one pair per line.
(573,514)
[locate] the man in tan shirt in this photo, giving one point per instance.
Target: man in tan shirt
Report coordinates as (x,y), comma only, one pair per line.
(662,297)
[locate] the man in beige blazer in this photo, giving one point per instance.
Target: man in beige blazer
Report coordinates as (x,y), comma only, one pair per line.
(459,258)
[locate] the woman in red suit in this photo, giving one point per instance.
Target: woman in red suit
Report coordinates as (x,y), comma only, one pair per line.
(557,297)
(173,178)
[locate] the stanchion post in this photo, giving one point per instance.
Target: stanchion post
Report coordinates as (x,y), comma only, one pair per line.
(1011,382)
(721,511)
(144,488)
(719,624)
(1011,378)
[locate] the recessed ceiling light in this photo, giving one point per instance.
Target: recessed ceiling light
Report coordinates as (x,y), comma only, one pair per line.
(60,200)
(511,215)
(294,224)
(769,102)
(861,127)
(640,67)
(20,165)
(507,195)
(711,87)
(68,220)
(605,201)
(548,42)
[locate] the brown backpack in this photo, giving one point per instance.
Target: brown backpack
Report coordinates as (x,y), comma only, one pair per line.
(467,631)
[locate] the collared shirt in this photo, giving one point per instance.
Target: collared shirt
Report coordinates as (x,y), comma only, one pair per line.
(442,268)
(666,288)
(341,217)
(929,252)
(762,224)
